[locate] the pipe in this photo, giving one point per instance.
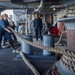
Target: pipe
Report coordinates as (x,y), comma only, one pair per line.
(39,7)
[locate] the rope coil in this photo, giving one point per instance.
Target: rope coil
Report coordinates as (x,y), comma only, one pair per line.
(71,63)
(67,66)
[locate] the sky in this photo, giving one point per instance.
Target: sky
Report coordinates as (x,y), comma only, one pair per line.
(8,12)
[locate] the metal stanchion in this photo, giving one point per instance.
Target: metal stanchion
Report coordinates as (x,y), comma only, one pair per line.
(48,40)
(26,48)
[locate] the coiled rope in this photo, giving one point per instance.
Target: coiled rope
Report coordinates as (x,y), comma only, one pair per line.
(53,71)
(68,63)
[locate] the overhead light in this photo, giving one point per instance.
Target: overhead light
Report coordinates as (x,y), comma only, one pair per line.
(54,9)
(30,0)
(58,6)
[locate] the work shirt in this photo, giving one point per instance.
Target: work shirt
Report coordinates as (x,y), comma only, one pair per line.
(3,24)
(13,27)
(38,23)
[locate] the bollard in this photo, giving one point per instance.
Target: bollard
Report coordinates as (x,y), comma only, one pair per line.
(26,48)
(48,40)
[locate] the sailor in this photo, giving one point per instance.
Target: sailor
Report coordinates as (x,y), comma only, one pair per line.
(38,26)
(4,29)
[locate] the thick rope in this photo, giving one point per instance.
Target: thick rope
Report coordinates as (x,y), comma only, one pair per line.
(68,62)
(53,71)
(33,69)
(60,37)
(69,58)
(29,64)
(67,66)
